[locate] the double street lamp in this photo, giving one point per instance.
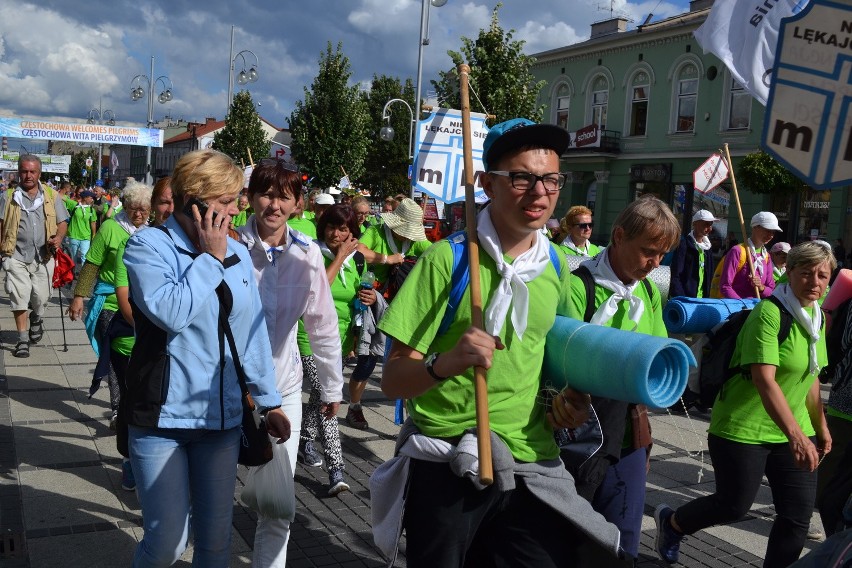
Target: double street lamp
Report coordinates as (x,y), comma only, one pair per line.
(101,116)
(137,92)
(244,77)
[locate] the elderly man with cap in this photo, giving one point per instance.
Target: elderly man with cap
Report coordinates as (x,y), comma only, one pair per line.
(82,225)
(33,225)
(692,263)
(531,515)
(737,279)
(400,235)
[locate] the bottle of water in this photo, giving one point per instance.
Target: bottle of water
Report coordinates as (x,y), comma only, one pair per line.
(366,284)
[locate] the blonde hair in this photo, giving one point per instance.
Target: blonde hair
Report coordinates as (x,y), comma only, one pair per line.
(205,174)
(648,214)
(810,253)
(570,218)
(136,194)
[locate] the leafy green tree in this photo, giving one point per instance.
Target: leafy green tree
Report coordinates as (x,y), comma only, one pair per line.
(243,132)
(78,164)
(330,129)
(500,79)
(761,173)
(386,165)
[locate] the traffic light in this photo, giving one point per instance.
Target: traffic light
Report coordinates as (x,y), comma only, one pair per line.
(305,178)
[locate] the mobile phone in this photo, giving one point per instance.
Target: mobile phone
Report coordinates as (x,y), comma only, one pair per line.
(202,208)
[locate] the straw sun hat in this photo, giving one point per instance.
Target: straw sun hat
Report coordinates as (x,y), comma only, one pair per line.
(406,220)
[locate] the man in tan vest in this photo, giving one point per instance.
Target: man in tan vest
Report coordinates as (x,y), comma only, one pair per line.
(33,222)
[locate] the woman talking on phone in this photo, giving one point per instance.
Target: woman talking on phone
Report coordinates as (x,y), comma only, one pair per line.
(183,401)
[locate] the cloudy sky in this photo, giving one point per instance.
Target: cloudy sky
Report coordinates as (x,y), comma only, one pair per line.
(59,58)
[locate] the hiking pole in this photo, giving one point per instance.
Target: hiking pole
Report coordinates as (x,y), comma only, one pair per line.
(483,427)
(742,220)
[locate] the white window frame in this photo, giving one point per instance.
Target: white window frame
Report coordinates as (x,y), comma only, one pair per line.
(734,89)
(640,80)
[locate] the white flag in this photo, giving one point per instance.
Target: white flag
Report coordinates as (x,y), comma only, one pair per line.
(744,35)
(113,161)
(344,182)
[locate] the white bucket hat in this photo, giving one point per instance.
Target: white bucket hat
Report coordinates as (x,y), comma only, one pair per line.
(406,220)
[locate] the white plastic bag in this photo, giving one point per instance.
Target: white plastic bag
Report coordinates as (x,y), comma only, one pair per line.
(269,488)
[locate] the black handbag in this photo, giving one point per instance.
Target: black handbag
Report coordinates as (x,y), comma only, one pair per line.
(255,445)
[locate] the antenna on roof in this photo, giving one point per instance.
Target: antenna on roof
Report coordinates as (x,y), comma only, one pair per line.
(613,13)
(648,19)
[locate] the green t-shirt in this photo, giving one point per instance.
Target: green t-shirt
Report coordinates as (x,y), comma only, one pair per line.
(738,413)
(304,225)
(82,217)
(240,218)
(343,292)
(374,239)
(702,258)
(593,250)
(102,253)
(448,409)
(123,345)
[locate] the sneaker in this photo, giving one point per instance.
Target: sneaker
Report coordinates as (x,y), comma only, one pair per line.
(336,483)
(128,482)
(309,455)
(815,533)
(355,418)
(22,349)
(668,540)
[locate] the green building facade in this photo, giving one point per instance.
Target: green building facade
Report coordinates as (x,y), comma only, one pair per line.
(646,107)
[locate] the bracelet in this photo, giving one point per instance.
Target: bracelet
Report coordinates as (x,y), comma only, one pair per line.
(384,259)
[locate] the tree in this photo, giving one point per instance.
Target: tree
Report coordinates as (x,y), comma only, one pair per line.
(386,165)
(330,128)
(243,132)
(761,173)
(500,79)
(78,164)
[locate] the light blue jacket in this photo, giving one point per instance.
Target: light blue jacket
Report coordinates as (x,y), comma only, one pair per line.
(175,289)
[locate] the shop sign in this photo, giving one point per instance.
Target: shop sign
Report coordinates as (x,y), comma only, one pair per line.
(651,172)
(816,204)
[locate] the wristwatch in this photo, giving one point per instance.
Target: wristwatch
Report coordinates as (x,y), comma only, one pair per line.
(430,367)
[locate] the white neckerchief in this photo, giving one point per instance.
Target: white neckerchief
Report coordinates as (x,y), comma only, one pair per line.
(512,289)
(812,325)
(605,276)
(778,272)
(582,251)
(122,219)
(326,252)
(758,258)
(406,244)
(18,196)
(703,244)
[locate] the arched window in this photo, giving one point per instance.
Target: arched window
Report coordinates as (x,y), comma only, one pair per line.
(739,106)
(599,101)
(561,105)
(686,97)
(640,89)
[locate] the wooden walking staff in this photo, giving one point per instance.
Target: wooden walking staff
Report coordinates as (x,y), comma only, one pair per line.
(742,220)
(483,428)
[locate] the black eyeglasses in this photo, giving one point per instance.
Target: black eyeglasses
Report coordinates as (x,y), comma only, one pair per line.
(584,226)
(289,166)
(525,181)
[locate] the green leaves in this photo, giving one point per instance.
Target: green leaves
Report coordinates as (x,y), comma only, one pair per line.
(243,132)
(761,173)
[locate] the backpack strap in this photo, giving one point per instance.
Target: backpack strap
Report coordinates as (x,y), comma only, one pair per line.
(585,276)
(786,320)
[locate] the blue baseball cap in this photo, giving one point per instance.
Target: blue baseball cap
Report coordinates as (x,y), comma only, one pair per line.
(88,193)
(520,132)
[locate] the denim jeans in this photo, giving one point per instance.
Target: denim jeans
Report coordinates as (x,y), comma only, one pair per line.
(621,497)
(272,535)
(739,470)
(177,472)
(77,249)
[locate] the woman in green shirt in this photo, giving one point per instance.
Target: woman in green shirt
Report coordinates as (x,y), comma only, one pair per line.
(577,228)
(768,418)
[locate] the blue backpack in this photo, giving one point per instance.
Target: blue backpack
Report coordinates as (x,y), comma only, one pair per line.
(460,277)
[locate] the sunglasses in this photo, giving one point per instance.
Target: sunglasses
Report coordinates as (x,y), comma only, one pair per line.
(584,226)
(289,166)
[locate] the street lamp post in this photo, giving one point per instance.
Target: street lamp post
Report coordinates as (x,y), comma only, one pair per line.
(101,116)
(244,76)
(136,93)
(424,41)
(387,132)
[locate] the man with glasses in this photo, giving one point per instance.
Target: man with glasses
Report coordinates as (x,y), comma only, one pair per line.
(532,516)
(577,228)
(33,225)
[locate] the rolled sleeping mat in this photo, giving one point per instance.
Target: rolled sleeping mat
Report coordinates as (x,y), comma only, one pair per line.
(661,276)
(699,315)
(622,365)
(841,290)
